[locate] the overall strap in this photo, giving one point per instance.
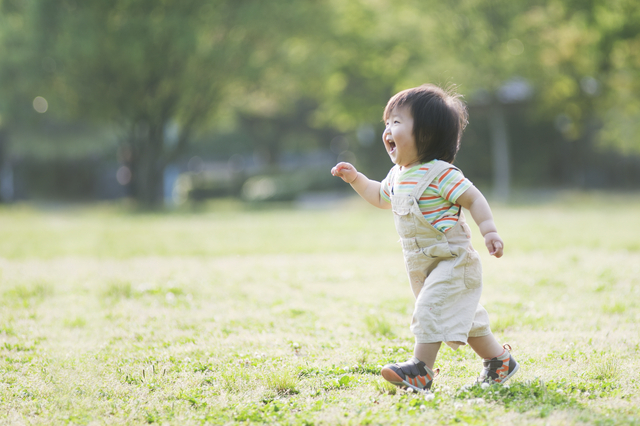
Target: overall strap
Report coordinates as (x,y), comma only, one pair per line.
(437,168)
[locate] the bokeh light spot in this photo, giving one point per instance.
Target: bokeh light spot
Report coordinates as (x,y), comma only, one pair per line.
(123,175)
(40,104)
(515,46)
(590,85)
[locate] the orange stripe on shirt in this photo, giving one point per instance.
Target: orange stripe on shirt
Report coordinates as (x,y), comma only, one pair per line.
(441,209)
(444,175)
(442,219)
(453,189)
(454,218)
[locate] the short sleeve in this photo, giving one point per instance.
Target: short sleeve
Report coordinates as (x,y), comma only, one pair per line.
(452,184)
(385,187)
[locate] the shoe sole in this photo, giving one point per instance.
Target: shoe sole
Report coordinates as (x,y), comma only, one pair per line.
(393,378)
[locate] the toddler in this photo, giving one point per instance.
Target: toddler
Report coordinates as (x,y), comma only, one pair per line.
(426,194)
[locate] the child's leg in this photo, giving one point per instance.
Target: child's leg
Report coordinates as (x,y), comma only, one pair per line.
(486,347)
(427,353)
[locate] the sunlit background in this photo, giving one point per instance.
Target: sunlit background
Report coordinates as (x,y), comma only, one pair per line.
(170,103)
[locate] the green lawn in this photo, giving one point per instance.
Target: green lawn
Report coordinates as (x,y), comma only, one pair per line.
(230,315)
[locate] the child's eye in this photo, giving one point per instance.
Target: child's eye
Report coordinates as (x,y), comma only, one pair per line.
(396,122)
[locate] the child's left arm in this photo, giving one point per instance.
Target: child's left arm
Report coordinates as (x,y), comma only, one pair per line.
(473,200)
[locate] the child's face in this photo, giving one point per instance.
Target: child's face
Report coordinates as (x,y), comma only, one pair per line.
(398,138)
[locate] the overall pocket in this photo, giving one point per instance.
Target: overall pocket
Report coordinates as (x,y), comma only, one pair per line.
(438,251)
(401,209)
(473,271)
(404,220)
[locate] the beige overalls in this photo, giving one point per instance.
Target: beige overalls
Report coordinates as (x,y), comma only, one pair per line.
(444,270)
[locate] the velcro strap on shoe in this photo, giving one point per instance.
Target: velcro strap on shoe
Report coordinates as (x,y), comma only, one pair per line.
(414,367)
(492,364)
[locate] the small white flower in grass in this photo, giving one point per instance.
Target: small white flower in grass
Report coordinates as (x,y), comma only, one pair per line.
(485,385)
(170,297)
(429,397)
(457,405)
(506,386)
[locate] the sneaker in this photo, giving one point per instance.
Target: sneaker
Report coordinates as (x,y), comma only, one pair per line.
(412,374)
(499,369)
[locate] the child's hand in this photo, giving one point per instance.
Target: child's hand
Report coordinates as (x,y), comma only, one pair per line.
(494,244)
(346,171)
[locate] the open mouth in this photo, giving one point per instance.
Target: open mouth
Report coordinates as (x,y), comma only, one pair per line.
(392,146)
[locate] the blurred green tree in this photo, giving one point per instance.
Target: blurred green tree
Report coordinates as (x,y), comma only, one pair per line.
(381,48)
(161,69)
(588,69)
(576,62)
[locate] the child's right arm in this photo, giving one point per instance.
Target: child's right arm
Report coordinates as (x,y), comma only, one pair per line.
(473,200)
(365,187)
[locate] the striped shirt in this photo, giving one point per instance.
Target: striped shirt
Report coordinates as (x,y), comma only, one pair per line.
(438,202)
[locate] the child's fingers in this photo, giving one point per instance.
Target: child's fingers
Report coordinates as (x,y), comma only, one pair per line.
(343,166)
(338,173)
(340,169)
(497,249)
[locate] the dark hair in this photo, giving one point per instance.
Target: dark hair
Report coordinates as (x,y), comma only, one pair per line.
(439,118)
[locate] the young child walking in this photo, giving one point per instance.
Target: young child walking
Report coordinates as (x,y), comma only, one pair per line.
(426,194)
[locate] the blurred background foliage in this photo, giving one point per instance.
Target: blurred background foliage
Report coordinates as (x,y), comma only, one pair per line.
(166,101)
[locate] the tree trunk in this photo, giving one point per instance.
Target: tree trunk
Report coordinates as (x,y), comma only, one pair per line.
(500,153)
(147,166)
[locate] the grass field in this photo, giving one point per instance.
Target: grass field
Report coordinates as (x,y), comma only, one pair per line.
(234,315)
